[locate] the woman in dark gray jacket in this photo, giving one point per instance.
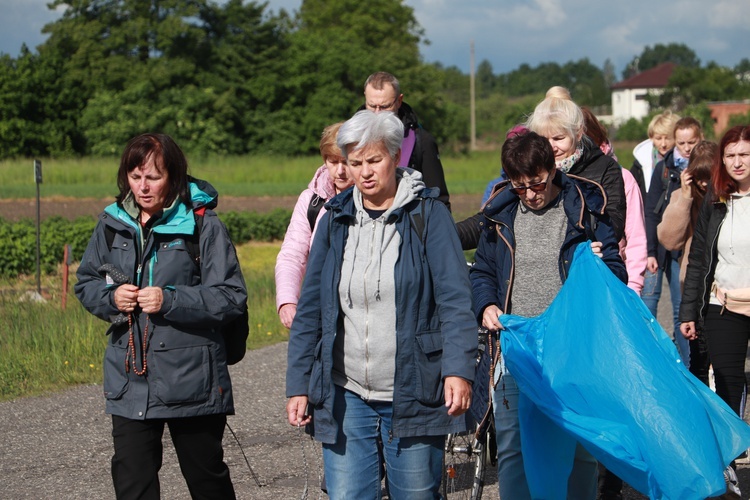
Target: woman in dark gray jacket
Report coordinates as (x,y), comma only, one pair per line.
(165,301)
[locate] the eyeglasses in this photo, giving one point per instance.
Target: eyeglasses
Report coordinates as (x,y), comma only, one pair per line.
(537,187)
(381,107)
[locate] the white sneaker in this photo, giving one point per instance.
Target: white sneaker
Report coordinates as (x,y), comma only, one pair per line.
(733,487)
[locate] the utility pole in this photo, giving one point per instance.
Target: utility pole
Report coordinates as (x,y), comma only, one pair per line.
(38,180)
(472,105)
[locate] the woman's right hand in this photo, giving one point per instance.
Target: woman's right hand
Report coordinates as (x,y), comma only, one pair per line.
(490,318)
(286,314)
(651,265)
(688,330)
(685,180)
(296,411)
(126,298)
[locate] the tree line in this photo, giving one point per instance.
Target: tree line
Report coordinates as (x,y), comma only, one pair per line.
(236,78)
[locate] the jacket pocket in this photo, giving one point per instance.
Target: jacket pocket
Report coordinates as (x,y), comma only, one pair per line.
(315,390)
(428,354)
(115,378)
(182,375)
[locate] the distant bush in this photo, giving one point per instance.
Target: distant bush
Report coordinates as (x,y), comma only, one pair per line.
(633,130)
(18,239)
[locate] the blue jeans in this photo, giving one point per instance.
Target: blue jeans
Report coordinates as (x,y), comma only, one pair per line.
(352,465)
(511,476)
(652,293)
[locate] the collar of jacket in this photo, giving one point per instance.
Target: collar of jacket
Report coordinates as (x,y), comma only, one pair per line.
(502,205)
(590,153)
(342,207)
(176,218)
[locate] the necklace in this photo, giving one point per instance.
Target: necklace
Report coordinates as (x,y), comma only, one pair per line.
(131,348)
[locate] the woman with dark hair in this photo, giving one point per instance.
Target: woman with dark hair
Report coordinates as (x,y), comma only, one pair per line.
(166,360)
(533,224)
(718,270)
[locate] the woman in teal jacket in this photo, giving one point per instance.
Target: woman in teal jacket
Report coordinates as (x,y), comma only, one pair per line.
(165,361)
(384,340)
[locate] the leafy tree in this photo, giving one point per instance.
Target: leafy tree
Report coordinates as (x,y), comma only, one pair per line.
(34,107)
(737,119)
(584,80)
(484,79)
(691,86)
(335,46)
(678,53)
(193,68)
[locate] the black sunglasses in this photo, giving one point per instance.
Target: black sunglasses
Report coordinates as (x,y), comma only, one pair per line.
(537,188)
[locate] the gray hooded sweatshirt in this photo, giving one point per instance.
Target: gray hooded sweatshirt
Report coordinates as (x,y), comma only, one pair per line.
(364,353)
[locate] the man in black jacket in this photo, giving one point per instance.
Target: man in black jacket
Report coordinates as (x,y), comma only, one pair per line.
(418,149)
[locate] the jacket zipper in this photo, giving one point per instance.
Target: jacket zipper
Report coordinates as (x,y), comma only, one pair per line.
(708,270)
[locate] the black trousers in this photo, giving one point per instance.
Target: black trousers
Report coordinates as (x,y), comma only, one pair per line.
(727,335)
(197,441)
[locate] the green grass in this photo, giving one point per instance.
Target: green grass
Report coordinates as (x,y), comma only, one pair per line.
(233,175)
(257,261)
(97,177)
(44,348)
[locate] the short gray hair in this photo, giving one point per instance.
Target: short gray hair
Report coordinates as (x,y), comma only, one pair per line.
(380,79)
(366,128)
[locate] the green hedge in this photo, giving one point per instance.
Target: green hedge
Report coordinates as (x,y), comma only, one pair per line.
(18,239)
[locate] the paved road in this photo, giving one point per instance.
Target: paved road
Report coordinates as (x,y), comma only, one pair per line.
(59,447)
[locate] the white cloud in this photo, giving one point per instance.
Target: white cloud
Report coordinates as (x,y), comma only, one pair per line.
(729,14)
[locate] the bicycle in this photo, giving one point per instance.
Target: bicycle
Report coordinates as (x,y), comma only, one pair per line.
(466,454)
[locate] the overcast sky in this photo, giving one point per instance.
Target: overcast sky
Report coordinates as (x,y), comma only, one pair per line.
(509,33)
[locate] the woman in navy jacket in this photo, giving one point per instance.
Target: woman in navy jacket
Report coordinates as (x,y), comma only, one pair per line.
(534,222)
(383,343)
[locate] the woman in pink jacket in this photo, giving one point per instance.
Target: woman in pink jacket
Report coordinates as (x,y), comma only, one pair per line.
(633,248)
(329,180)
(675,231)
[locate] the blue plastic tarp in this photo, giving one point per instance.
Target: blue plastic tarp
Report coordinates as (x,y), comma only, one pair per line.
(596,368)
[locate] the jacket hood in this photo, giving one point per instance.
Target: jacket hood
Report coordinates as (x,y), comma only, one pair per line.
(409,187)
(503,200)
(176,218)
(643,152)
(409,117)
(321,183)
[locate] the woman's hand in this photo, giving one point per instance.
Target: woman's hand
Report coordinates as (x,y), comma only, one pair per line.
(688,330)
(490,318)
(296,411)
(150,299)
(651,265)
(457,396)
(686,179)
(596,247)
(286,314)
(126,298)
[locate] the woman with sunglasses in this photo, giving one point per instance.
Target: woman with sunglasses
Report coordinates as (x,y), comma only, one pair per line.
(533,224)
